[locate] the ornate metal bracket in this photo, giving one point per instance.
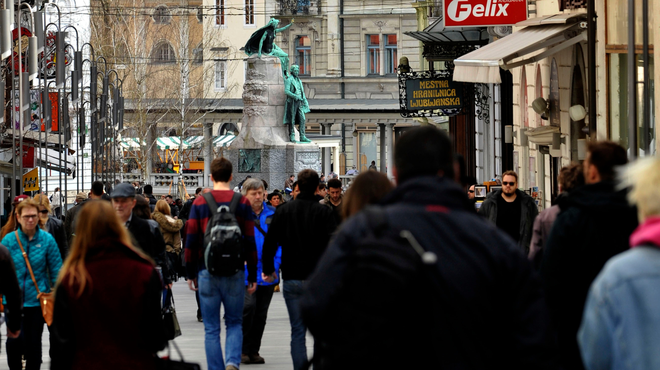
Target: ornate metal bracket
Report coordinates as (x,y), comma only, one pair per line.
(482,101)
(403,94)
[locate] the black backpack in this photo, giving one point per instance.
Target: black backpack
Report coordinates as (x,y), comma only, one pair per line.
(223,238)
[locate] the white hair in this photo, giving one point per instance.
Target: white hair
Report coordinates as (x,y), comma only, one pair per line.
(643,177)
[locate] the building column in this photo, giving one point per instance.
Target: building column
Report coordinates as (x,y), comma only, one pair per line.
(335,162)
(327,130)
(208,152)
(383,149)
(355,136)
(390,148)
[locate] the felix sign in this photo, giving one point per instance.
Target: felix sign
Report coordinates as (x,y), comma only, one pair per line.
(482,13)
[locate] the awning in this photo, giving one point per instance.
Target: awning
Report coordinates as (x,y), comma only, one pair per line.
(218,141)
(522,47)
(163,143)
(50,159)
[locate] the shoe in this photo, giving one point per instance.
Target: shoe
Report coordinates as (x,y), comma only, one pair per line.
(199,317)
(231,367)
(245,359)
(256,359)
(277,288)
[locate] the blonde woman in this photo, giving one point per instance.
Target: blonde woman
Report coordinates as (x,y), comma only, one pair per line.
(53,225)
(169,226)
(107,302)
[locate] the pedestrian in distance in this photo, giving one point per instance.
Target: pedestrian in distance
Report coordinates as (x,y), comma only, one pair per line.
(275,198)
(170,228)
(321,191)
(56,200)
(367,188)
(462,294)
(45,261)
(10,295)
(174,209)
(621,323)
(108,299)
(594,224)
(333,199)
(227,288)
(255,310)
(52,225)
(302,228)
(288,184)
(69,220)
(511,210)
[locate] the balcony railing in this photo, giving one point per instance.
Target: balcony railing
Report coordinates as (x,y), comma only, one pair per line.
(299,7)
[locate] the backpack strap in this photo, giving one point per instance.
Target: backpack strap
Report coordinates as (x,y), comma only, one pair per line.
(376,219)
(210,201)
(236,198)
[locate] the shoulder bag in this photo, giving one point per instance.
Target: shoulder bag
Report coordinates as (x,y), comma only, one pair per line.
(46,300)
(167,363)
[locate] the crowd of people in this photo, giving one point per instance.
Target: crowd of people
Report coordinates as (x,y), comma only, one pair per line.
(383,274)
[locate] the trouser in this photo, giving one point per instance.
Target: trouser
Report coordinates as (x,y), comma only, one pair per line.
(58,213)
(255,312)
(293,290)
(28,343)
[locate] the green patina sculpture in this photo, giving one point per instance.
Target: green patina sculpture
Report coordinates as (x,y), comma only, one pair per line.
(262,41)
(296,105)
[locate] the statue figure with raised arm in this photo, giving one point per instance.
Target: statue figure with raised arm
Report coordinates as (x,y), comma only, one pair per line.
(262,41)
(296,105)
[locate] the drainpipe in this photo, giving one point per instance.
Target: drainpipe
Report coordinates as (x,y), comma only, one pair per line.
(646,114)
(632,83)
(591,49)
(341,54)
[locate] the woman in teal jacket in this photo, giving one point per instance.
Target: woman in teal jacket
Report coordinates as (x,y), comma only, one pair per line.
(45,259)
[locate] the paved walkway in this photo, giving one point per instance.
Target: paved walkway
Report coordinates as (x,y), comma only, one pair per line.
(275,346)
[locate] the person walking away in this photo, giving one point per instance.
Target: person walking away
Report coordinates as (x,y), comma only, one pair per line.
(255,310)
(69,220)
(54,226)
(108,308)
(321,191)
(149,194)
(170,228)
(333,199)
(10,295)
(214,291)
(45,261)
(570,177)
(511,210)
(367,188)
(185,210)
(471,302)
(595,224)
(56,199)
(302,228)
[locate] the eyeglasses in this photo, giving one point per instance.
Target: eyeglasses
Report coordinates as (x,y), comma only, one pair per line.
(44,211)
(28,217)
(508,183)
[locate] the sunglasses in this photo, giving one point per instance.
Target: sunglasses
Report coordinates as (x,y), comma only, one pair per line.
(470,191)
(44,212)
(508,183)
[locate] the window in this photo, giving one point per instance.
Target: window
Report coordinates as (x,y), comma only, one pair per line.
(391,60)
(373,54)
(162,15)
(249,12)
(220,75)
(303,57)
(219,12)
(163,53)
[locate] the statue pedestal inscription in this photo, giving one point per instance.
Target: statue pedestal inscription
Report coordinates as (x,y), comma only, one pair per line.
(262,148)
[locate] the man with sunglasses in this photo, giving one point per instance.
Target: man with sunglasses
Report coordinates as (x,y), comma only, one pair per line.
(512,210)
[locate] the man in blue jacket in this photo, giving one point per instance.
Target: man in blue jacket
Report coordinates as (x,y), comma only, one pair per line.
(255,309)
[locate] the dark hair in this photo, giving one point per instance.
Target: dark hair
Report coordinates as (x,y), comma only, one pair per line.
(606,155)
(142,208)
(293,186)
(198,190)
(148,189)
(334,183)
(97,188)
(423,151)
(169,196)
(571,177)
(292,176)
(265,184)
(308,181)
(367,188)
(221,169)
(510,173)
(321,186)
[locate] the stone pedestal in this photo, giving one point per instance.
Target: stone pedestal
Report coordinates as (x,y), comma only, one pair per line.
(262,149)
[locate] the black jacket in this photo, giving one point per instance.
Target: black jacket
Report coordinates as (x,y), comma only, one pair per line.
(70,221)
(528,213)
(595,224)
(55,228)
(303,228)
(151,241)
(489,314)
(10,290)
(152,201)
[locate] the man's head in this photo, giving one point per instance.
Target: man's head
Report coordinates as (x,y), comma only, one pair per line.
(198,191)
(423,151)
(334,189)
(322,190)
(97,190)
(292,177)
(221,170)
(509,183)
(123,201)
(80,197)
(253,190)
(169,199)
(471,191)
(57,189)
(373,163)
(571,177)
(295,70)
(296,190)
(148,189)
(602,159)
(308,181)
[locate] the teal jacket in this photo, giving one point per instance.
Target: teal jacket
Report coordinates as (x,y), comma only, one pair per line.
(45,260)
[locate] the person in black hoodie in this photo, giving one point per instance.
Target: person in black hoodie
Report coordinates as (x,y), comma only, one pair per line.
(149,194)
(10,292)
(483,308)
(594,224)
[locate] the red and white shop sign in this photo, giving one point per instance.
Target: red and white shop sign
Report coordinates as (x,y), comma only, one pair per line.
(482,13)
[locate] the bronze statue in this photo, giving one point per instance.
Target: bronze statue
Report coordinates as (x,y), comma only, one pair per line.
(262,41)
(296,105)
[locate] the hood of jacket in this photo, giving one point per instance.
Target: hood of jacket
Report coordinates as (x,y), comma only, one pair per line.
(167,223)
(599,197)
(647,233)
(430,190)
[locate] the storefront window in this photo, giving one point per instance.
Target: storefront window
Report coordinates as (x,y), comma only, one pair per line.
(368,150)
(619,103)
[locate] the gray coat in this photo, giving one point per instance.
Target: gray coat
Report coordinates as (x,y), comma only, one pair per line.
(528,213)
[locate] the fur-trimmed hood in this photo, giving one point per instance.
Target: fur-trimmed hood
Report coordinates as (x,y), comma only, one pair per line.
(167,223)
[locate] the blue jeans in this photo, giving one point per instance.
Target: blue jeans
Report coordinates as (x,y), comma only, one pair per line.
(293,290)
(228,291)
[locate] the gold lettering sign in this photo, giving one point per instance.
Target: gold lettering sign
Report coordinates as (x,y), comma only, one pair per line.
(428,94)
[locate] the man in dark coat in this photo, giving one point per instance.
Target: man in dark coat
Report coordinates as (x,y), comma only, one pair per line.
(483,309)
(594,224)
(149,194)
(11,291)
(70,219)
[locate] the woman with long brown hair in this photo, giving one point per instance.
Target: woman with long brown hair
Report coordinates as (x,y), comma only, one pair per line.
(367,188)
(12,224)
(107,302)
(54,226)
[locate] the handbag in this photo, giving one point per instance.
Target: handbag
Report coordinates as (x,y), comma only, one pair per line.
(172,328)
(46,300)
(167,363)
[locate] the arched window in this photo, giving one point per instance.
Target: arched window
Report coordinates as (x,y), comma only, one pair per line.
(162,15)
(163,53)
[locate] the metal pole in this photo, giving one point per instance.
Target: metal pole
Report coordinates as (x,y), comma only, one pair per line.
(646,114)
(632,83)
(591,50)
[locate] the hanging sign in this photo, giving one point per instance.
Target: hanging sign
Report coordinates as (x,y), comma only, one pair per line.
(482,13)
(429,94)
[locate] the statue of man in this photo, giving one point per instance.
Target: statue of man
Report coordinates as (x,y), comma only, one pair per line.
(296,105)
(263,41)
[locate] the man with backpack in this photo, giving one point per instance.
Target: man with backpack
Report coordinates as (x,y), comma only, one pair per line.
(219,242)
(423,282)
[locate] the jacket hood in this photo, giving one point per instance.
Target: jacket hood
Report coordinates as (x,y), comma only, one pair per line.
(599,197)
(167,223)
(430,190)
(647,233)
